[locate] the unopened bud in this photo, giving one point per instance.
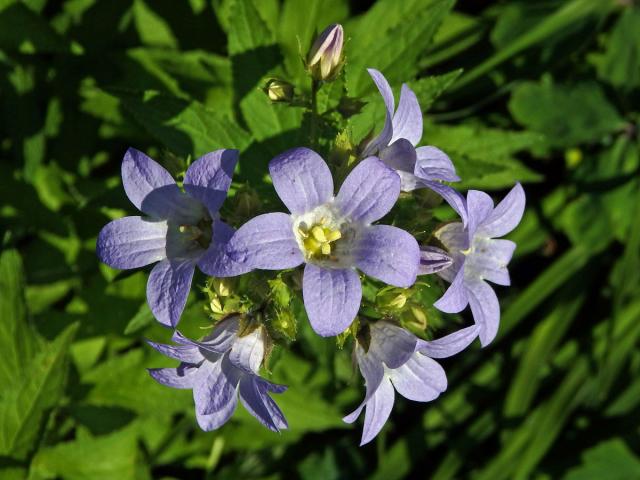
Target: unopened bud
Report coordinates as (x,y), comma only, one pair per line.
(284,323)
(216,306)
(325,58)
(247,202)
(279,91)
(221,286)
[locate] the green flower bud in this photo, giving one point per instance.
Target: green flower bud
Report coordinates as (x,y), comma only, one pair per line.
(325,58)
(279,91)
(284,323)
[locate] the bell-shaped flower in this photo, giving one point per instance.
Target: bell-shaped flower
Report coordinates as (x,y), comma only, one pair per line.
(219,369)
(180,229)
(332,235)
(479,257)
(396,360)
(422,167)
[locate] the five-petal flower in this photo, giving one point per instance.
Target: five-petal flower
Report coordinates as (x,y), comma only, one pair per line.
(479,256)
(422,167)
(220,368)
(396,359)
(332,235)
(179,229)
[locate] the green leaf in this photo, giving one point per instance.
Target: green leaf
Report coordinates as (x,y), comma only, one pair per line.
(394,52)
(23,407)
(611,459)
(620,63)
(248,30)
(186,128)
(483,156)
(108,457)
(568,15)
(566,115)
(18,342)
(152,28)
(428,89)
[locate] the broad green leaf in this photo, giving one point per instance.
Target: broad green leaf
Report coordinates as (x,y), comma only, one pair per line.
(393,52)
(611,459)
(566,115)
(248,30)
(18,341)
(568,15)
(457,33)
(186,128)
(24,405)
(620,63)
(152,28)
(483,156)
(428,89)
(109,457)
(119,381)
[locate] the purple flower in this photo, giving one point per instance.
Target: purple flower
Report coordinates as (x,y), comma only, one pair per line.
(478,256)
(422,167)
(220,368)
(332,235)
(180,229)
(397,359)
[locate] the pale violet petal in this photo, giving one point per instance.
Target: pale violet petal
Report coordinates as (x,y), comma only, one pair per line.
(369,191)
(407,121)
(168,288)
(455,298)
(389,254)
(132,242)
(420,379)
(209,177)
(331,298)
(302,179)
(485,309)
(266,242)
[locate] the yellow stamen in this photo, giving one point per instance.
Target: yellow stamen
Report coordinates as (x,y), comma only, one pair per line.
(318,234)
(317,238)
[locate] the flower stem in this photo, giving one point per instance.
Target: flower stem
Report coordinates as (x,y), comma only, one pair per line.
(315,86)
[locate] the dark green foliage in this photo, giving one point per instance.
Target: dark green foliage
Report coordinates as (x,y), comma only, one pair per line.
(545,93)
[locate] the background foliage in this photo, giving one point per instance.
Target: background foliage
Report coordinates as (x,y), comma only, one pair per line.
(544,92)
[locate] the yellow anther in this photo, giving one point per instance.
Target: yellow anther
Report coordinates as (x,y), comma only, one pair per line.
(318,234)
(333,235)
(317,238)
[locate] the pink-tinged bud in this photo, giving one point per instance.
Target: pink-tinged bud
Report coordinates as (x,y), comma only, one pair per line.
(325,58)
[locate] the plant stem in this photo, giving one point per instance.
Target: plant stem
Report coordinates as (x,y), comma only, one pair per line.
(315,86)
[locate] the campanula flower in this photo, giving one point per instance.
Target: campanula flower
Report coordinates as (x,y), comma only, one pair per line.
(422,167)
(397,360)
(332,235)
(180,229)
(219,369)
(479,257)
(325,58)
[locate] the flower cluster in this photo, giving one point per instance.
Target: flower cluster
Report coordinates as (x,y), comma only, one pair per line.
(341,244)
